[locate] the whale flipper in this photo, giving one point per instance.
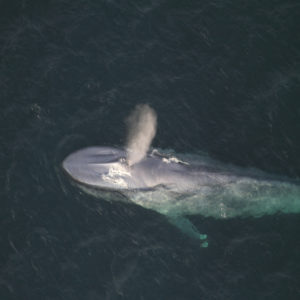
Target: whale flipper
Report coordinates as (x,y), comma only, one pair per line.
(187,227)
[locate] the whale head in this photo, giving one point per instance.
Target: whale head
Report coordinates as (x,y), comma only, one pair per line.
(107,168)
(102,167)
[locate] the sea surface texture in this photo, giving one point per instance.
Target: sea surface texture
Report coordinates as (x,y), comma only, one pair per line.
(224,79)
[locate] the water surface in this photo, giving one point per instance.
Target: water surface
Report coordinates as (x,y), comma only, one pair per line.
(223,77)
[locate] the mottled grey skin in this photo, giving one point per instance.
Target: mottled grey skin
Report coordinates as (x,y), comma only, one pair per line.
(178,188)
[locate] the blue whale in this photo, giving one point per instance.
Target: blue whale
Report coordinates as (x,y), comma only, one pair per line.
(182,185)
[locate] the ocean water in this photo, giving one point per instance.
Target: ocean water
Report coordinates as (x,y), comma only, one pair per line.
(223,78)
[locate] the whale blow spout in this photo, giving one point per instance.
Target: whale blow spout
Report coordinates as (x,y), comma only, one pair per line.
(141,131)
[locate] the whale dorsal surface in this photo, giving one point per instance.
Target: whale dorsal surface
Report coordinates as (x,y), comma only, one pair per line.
(184,187)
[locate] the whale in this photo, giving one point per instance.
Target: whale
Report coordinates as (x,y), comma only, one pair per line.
(180,185)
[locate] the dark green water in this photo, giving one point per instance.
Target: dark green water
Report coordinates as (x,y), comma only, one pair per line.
(223,77)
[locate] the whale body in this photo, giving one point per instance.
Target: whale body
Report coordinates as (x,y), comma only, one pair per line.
(178,186)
